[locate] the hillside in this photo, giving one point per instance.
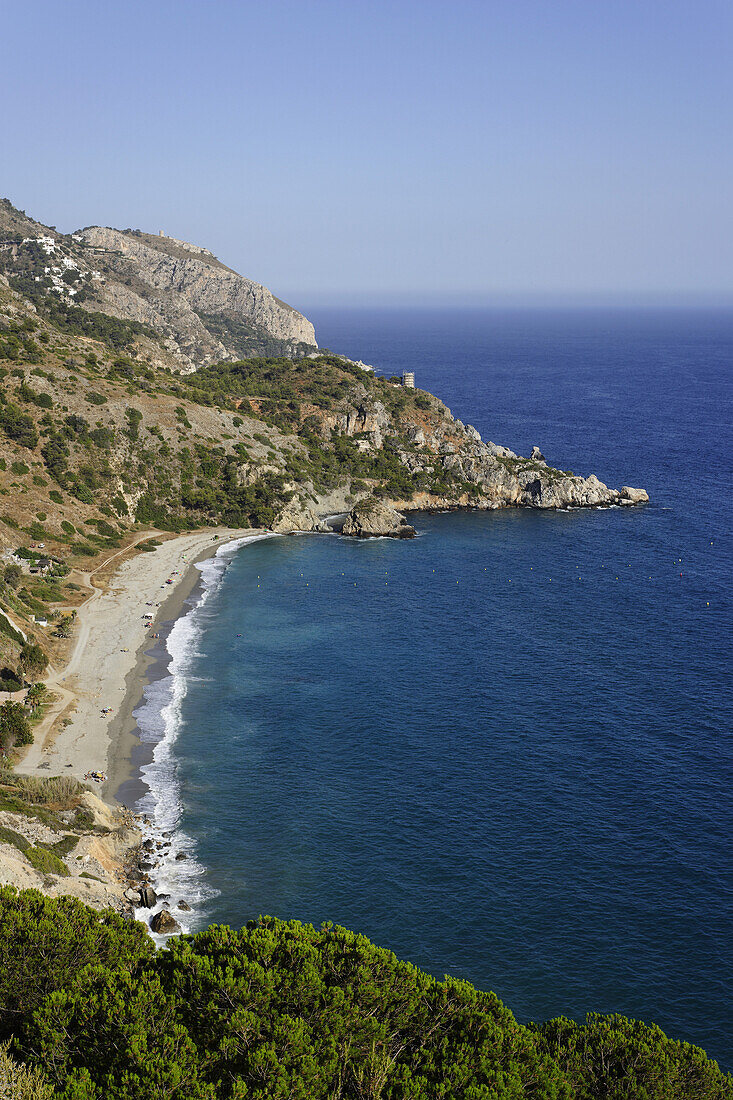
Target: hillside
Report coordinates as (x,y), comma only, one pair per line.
(104,435)
(58,837)
(183,306)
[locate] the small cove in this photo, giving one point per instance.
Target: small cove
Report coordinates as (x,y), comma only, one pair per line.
(499,749)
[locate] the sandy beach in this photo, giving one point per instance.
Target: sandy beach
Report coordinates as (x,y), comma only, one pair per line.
(107,663)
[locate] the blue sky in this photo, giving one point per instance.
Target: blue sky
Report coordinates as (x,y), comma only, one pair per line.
(436,152)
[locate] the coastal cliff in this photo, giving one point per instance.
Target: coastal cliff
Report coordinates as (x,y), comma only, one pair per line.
(178,305)
(205,311)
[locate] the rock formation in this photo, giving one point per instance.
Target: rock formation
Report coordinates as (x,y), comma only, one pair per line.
(297,516)
(628,495)
(164,924)
(374,518)
(148,897)
(205,311)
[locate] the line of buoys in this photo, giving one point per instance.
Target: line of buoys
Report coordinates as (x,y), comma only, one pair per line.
(509,580)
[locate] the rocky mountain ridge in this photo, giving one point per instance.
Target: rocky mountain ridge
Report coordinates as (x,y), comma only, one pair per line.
(185,308)
(205,311)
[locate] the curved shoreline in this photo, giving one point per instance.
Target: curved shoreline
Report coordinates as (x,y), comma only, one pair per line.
(168,864)
(111,656)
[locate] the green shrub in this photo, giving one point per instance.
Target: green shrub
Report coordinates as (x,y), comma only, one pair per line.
(18,426)
(6,627)
(83,549)
(53,941)
(612,1056)
(83,493)
(102,437)
(46,861)
(9,682)
(105,528)
(9,836)
(134,417)
(14,725)
(281,1009)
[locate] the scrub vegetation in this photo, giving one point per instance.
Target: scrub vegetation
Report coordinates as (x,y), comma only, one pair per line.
(281,1009)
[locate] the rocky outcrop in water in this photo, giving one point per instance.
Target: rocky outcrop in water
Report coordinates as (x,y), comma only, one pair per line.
(628,495)
(164,924)
(374,518)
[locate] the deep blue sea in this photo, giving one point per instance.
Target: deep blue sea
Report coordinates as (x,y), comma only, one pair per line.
(503,749)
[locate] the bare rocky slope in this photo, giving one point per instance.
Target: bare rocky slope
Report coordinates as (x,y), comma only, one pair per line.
(59,838)
(204,311)
(193,308)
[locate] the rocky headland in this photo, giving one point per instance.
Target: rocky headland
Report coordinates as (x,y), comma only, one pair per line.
(449,466)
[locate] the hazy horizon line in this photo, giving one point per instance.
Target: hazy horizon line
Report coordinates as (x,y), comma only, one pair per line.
(718,302)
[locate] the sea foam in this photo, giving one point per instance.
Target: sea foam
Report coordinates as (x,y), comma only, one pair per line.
(159,722)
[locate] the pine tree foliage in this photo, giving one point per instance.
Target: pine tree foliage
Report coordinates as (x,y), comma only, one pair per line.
(283,1011)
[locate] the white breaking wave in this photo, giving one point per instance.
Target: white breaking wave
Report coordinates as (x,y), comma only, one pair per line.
(159,723)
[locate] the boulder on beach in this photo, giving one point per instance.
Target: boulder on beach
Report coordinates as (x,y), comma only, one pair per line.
(373,518)
(164,924)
